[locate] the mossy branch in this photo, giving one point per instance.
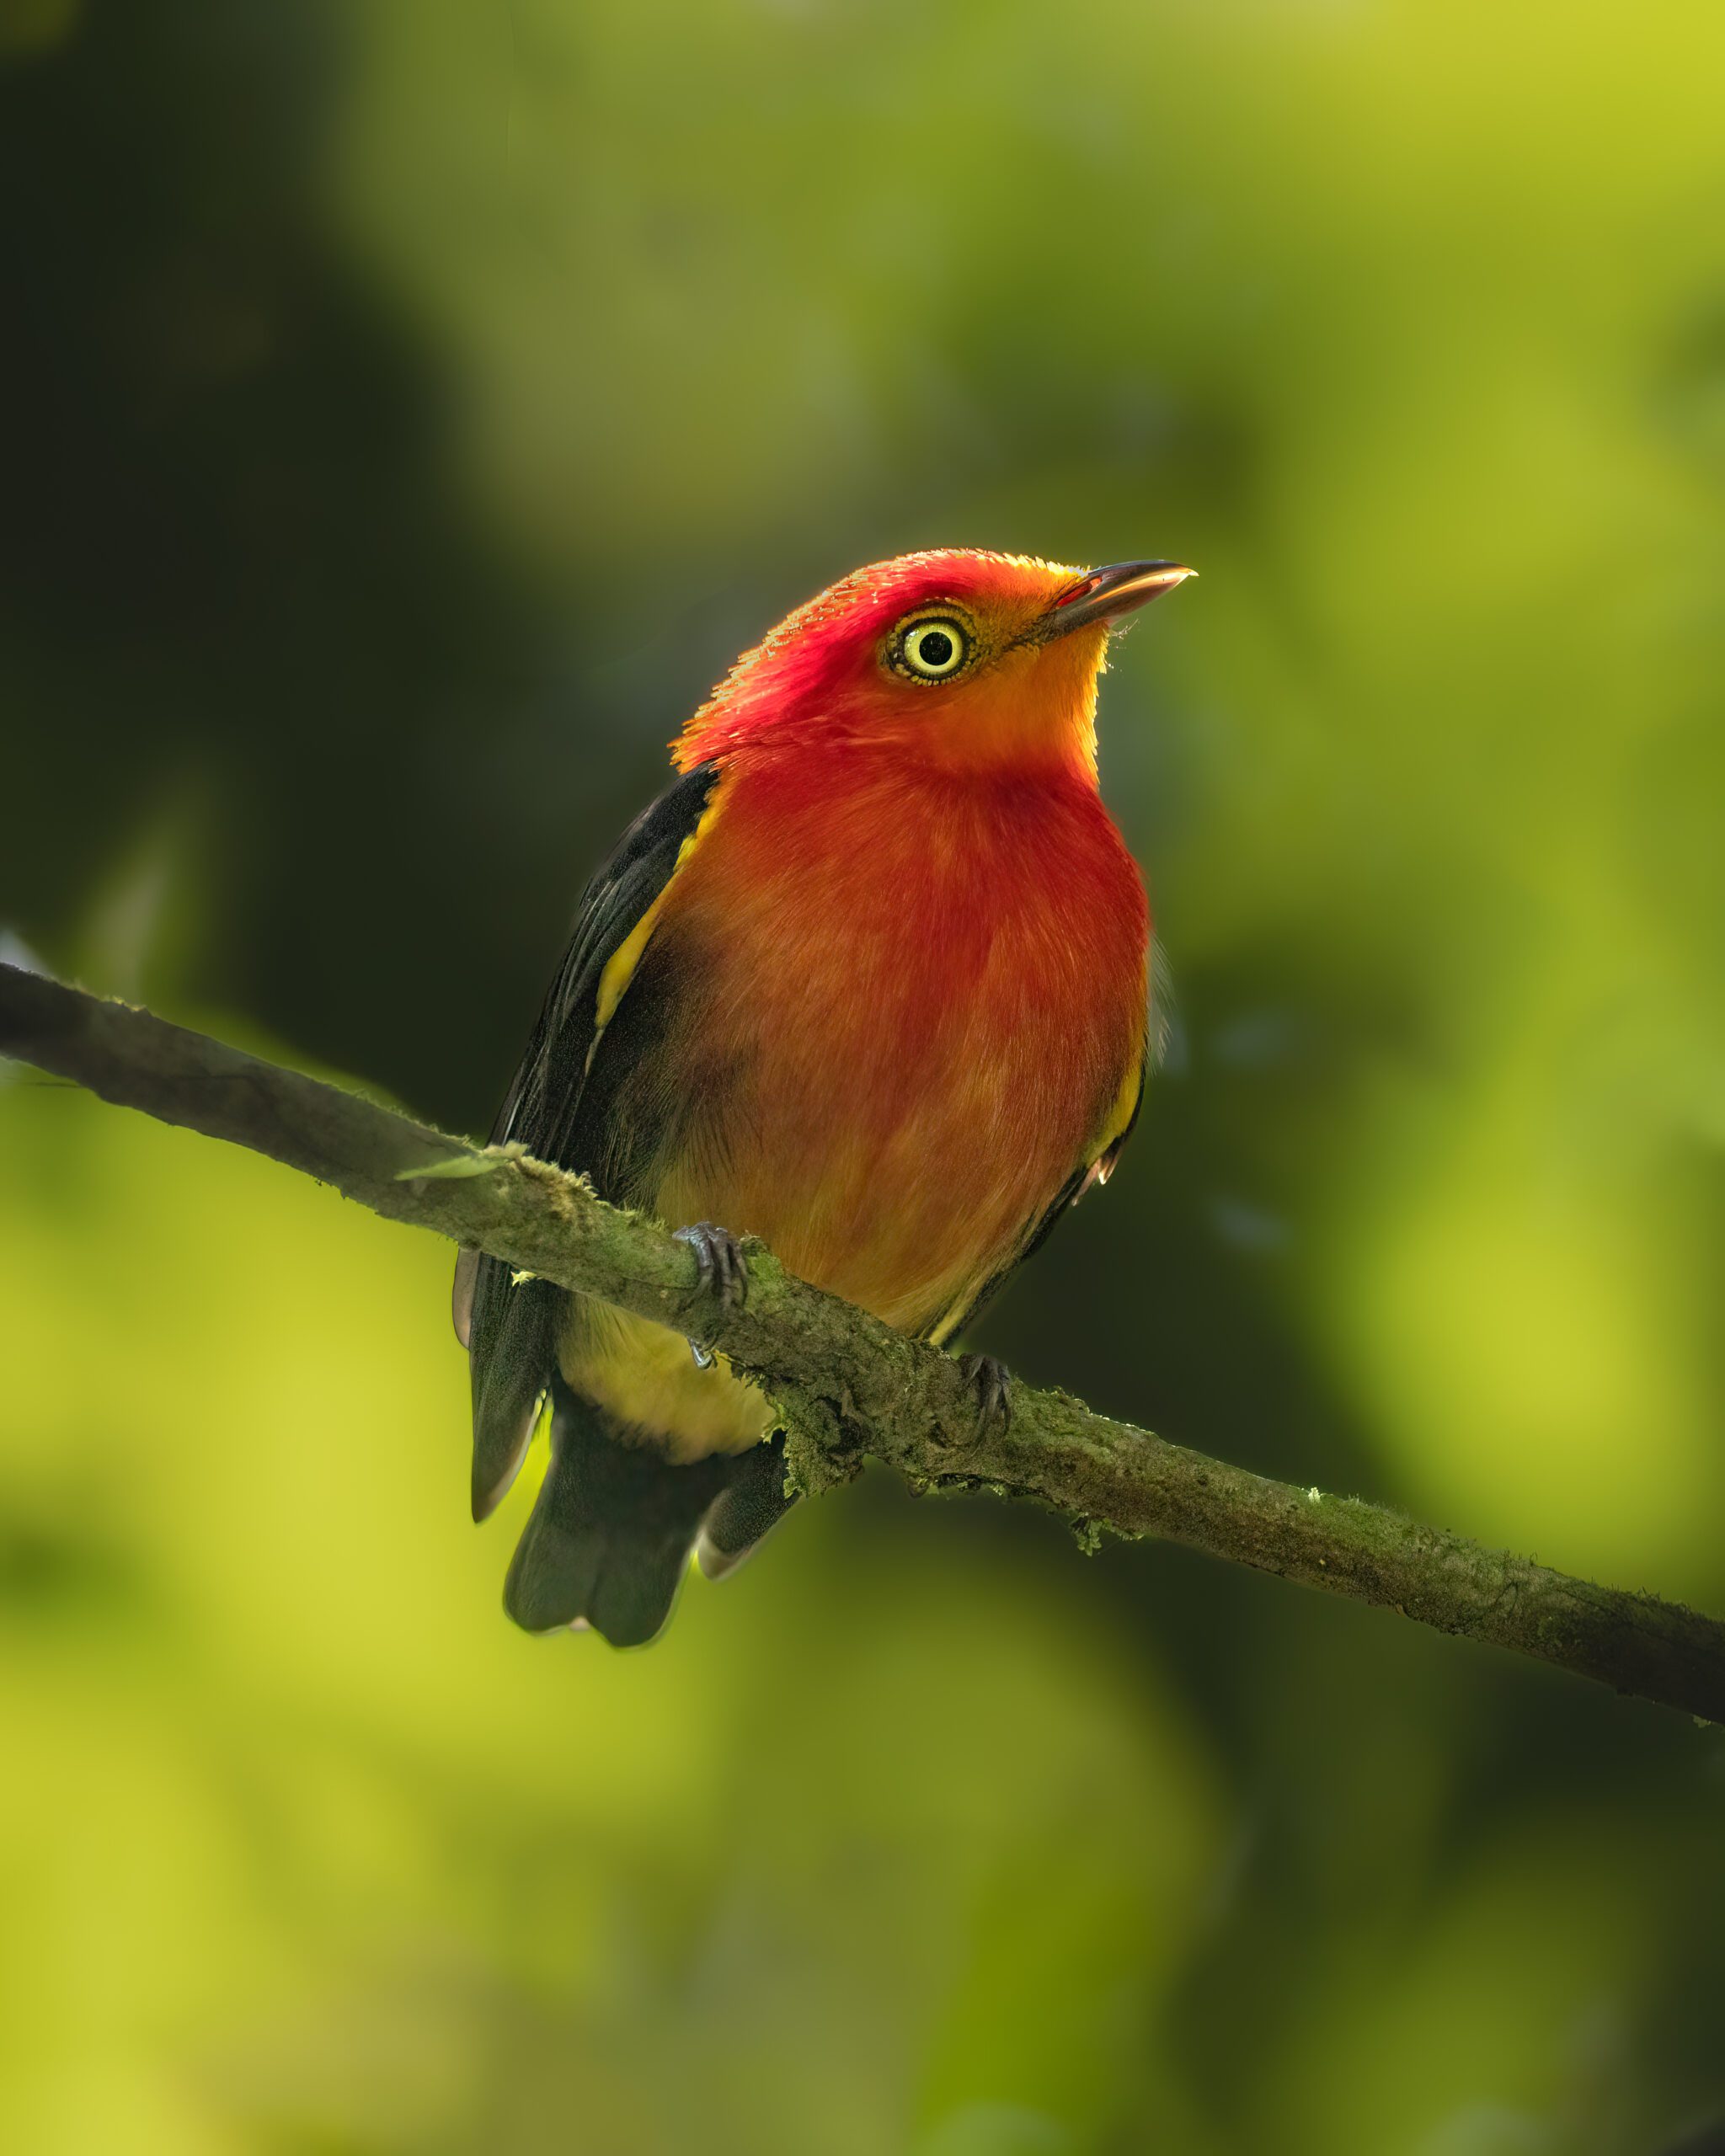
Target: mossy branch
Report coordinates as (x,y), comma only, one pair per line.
(845,1384)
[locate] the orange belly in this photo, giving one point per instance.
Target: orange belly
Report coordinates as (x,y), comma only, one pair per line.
(907,1012)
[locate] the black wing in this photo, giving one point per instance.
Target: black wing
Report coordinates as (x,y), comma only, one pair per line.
(511,1331)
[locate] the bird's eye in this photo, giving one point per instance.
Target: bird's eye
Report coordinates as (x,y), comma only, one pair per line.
(932,649)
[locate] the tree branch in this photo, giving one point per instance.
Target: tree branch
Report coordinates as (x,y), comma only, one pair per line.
(844,1383)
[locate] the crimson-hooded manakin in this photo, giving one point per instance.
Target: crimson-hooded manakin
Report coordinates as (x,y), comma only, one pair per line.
(872,981)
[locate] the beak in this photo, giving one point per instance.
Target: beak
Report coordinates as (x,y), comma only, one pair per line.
(1107,594)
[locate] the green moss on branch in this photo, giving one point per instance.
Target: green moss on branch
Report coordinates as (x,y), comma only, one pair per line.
(845,1384)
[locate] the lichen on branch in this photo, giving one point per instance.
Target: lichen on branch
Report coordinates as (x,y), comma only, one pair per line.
(846,1386)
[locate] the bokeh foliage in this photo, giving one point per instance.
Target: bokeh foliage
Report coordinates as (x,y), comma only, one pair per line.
(413,405)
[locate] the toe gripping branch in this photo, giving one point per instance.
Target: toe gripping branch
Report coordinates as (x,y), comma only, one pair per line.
(721,1270)
(991,1382)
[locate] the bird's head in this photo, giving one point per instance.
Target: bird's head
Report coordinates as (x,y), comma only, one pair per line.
(964,660)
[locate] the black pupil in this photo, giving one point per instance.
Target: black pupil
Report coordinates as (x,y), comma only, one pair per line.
(935,647)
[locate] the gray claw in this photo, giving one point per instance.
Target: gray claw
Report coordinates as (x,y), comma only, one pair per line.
(991,1381)
(721,1270)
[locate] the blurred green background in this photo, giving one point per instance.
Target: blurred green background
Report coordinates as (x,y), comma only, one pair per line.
(410,407)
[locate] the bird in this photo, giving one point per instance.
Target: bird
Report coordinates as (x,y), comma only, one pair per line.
(871,980)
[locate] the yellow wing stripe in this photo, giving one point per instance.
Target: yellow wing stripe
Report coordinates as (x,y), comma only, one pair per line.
(1119,1122)
(949,1324)
(1120,1115)
(620,967)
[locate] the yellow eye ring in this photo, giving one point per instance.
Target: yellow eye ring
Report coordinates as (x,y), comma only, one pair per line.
(934,648)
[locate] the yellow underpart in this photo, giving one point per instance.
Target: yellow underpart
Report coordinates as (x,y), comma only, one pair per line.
(620,967)
(647,1376)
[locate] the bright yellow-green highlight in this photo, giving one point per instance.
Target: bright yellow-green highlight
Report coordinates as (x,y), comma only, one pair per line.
(923,1836)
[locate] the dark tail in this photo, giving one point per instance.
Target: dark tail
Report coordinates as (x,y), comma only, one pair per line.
(609,1540)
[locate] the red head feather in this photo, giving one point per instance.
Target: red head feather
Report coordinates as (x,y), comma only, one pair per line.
(833,671)
(921,940)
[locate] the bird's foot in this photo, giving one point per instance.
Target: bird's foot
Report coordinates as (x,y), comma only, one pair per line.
(991,1382)
(721,1270)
